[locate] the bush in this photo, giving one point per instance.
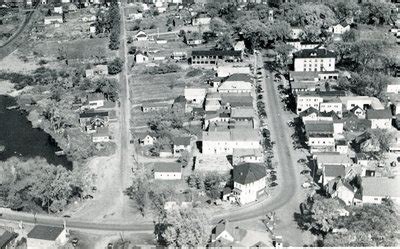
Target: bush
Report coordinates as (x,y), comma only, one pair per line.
(132,50)
(115,66)
(163,69)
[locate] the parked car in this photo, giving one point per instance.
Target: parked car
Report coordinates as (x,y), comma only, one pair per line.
(74,242)
(306,171)
(302,160)
(306,185)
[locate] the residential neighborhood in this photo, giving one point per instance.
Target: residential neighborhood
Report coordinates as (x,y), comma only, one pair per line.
(199,123)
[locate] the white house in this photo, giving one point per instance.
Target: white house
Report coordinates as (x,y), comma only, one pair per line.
(362,101)
(393,85)
(247,156)
(167,171)
(181,144)
(141,57)
(53,19)
(95,100)
(195,96)
(249,182)
(227,70)
(358,111)
(224,142)
(141,36)
(58,9)
(380,119)
(314,60)
(340,28)
(46,237)
(296,32)
(201,20)
(146,139)
(343,191)
(375,189)
(330,172)
(331,158)
(236,83)
(101,135)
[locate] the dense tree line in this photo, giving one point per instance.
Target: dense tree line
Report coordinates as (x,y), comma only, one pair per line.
(114,18)
(369,225)
(35,185)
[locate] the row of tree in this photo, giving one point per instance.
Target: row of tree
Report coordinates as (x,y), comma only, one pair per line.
(115,25)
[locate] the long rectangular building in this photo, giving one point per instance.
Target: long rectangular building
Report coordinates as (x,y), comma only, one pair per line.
(224,142)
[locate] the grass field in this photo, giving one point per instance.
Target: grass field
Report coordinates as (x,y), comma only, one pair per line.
(78,49)
(160,88)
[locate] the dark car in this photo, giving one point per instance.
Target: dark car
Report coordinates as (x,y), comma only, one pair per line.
(302,160)
(306,171)
(67,216)
(74,242)
(273,184)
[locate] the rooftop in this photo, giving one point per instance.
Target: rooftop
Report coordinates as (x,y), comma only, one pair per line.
(379,114)
(332,157)
(216,53)
(314,53)
(45,232)
(246,152)
(185,141)
(387,186)
(239,77)
(245,112)
(318,127)
(93,114)
(334,170)
(167,167)
(248,173)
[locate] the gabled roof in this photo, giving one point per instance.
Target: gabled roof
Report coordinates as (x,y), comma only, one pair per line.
(355,108)
(45,232)
(180,99)
(248,173)
(167,167)
(314,53)
(379,114)
(6,238)
(318,127)
(309,111)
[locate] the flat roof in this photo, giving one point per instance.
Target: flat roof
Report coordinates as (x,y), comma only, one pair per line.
(216,53)
(381,186)
(167,167)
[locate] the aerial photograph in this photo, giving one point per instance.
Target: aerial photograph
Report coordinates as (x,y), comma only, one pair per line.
(130,124)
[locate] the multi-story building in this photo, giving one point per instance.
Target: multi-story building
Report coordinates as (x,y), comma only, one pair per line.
(249,182)
(224,142)
(321,101)
(317,60)
(214,57)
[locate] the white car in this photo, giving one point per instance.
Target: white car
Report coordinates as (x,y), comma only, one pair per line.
(306,185)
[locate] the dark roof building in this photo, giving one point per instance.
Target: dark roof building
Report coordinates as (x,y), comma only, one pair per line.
(167,167)
(6,238)
(93,114)
(185,141)
(216,53)
(248,173)
(379,114)
(239,77)
(43,232)
(334,170)
(314,53)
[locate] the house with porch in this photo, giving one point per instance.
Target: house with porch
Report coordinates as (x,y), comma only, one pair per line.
(181,143)
(380,119)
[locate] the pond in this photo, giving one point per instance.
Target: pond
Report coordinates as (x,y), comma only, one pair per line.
(19,138)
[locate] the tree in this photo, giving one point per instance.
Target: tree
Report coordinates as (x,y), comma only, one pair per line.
(350,36)
(138,192)
(382,138)
(219,26)
(224,42)
(377,13)
(109,87)
(115,66)
(283,50)
(344,9)
(311,33)
(185,227)
(27,183)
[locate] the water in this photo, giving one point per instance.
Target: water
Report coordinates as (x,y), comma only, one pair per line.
(21,140)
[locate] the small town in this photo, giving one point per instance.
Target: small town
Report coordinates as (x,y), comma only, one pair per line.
(199,123)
